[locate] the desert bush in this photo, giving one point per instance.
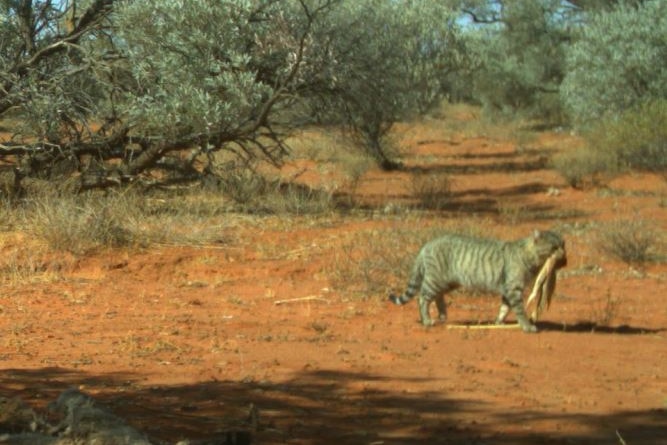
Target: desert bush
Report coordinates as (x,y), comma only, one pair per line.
(331,147)
(172,86)
(637,138)
(254,193)
(215,76)
(633,241)
(583,166)
(389,64)
(432,190)
(243,185)
(617,61)
(517,54)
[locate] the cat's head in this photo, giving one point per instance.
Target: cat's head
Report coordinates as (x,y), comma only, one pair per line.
(546,243)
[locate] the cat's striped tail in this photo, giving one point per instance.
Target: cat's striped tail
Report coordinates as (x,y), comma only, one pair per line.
(414,285)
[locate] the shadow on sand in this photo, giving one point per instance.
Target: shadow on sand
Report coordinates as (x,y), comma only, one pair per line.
(588,326)
(329,407)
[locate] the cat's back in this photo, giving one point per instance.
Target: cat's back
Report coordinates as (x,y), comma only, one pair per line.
(464,247)
(468,261)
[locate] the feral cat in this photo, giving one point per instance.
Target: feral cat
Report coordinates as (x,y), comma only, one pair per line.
(505,267)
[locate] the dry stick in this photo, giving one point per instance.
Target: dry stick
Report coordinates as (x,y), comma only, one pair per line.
(483,326)
(620,438)
(296,300)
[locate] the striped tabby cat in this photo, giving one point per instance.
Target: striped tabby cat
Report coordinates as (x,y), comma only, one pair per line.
(505,267)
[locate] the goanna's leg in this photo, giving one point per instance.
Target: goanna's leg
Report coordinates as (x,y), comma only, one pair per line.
(516,303)
(503,311)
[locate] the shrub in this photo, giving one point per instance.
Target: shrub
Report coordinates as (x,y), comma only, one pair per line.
(432,190)
(617,62)
(518,58)
(637,137)
(585,166)
(372,261)
(606,310)
(633,241)
(243,184)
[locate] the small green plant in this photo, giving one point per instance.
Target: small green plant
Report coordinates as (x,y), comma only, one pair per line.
(632,241)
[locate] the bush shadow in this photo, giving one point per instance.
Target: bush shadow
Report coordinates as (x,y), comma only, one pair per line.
(494,200)
(326,407)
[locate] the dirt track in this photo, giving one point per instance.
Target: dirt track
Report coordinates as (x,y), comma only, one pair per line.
(181,340)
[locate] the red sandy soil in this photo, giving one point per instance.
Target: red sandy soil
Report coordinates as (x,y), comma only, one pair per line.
(181,340)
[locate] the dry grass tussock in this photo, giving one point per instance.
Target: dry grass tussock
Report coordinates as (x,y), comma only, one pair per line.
(25,260)
(603,312)
(433,191)
(85,223)
(336,157)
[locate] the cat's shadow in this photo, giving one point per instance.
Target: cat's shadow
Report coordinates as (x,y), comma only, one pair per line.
(588,326)
(575,328)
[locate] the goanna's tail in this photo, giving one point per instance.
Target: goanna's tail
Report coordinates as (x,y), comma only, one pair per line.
(413,285)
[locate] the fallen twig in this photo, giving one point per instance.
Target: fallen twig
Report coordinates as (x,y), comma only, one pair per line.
(296,300)
(483,326)
(620,438)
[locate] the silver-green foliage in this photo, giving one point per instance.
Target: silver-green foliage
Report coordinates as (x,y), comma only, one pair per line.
(517,55)
(230,68)
(618,61)
(389,62)
(117,89)
(636,138)
(210,68)
(52,70)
